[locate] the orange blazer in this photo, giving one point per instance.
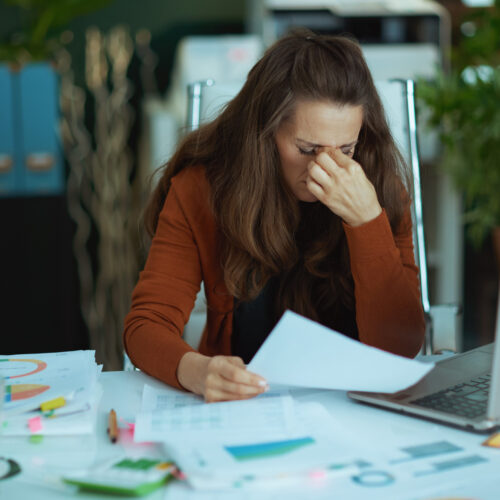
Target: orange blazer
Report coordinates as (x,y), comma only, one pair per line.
(184,252)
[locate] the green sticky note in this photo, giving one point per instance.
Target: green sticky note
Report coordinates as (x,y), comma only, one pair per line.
(36,438)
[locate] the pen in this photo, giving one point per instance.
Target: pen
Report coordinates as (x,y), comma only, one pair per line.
(112,426)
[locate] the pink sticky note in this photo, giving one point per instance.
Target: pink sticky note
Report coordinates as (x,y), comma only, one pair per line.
(35,424)
(130,425)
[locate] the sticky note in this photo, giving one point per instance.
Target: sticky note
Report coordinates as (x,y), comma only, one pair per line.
(35,424)
(493,441)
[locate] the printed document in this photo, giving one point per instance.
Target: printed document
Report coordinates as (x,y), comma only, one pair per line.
(314,443)
(301,352)
(232,419)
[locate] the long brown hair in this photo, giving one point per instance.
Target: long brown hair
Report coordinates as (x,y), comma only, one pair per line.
(266,231)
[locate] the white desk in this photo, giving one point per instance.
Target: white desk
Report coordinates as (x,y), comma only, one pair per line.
(123,390)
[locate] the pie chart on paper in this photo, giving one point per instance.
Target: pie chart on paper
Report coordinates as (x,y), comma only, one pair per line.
(39,366)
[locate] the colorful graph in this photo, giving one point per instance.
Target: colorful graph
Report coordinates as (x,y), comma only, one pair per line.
(23,391)
(452,464)
(40,365)
(426,451)
(263,450)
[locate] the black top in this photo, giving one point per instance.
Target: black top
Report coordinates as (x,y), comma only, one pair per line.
(253,321)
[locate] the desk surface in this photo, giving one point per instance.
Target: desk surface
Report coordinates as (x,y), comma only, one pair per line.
(383,434)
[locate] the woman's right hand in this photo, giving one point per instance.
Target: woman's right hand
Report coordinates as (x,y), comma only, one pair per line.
(219,378)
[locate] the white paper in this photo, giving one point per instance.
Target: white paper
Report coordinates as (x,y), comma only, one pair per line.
(67,374)
(71,421)
(167,398)
(217,421)
(301,352)
(32,379)
(320,449)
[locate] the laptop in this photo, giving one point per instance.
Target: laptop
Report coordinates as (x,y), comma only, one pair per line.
(462,391)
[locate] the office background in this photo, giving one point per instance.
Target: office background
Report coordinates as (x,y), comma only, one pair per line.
(40,286)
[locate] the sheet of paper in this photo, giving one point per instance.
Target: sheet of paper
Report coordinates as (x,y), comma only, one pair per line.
(34,378)
(420,470)
(31,379)
(71,421)
(216,421)
(312,444)
(167,398)
(301,352)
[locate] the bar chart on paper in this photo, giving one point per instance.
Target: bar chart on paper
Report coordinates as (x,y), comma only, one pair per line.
(31,379)
(262,450)
(12,368)
(23,391)
(35,382)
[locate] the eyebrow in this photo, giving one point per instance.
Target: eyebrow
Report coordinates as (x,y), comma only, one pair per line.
(312,144)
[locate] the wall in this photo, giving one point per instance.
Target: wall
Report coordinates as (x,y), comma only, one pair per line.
(39,291)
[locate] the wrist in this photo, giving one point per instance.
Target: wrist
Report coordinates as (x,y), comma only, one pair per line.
(365,217)
(191,371)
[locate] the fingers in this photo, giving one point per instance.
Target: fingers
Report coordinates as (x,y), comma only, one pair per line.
(340,158)
(234,369)
(314,188)
(217,395)
(332,167)
(334,161)
(236,361)
(340,183)
(318,174)
(228,379)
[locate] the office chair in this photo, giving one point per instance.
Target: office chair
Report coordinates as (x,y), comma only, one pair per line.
(205,100)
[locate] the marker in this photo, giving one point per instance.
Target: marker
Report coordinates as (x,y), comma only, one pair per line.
(112,427)
(52,404)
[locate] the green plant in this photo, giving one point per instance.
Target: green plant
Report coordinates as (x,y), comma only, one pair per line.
(464,105)
(42,21)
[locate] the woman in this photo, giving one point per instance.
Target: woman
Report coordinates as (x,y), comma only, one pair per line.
(292,198)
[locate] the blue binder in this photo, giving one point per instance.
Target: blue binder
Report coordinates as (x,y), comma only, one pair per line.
(41,151)
(10,160)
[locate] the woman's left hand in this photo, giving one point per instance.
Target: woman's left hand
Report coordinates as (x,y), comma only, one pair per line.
(340,183)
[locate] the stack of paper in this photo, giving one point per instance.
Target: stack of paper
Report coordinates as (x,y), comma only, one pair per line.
(247,443)
(50,393)
(306,450)
(243,443)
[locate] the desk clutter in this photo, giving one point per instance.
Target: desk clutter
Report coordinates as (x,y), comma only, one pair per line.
(242,444)
(281,444)
(290,442)
(49,394)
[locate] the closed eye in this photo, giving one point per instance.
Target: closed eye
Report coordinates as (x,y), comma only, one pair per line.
(348,151)
(313,151)
(308,152)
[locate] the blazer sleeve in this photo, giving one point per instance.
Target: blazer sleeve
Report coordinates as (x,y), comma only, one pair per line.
(164,296)
(389,311)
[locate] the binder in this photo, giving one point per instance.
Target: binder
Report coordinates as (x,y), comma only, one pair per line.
(40,148)
(10,167)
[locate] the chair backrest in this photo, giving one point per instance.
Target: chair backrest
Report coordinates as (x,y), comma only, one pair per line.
(398,99)
(206,99)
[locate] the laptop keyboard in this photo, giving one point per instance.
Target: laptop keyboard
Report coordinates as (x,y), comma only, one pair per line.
(469,399)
